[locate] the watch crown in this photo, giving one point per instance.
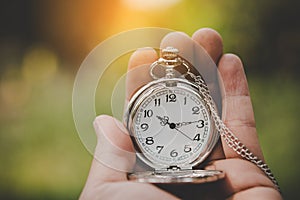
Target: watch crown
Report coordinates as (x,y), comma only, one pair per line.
(169,53)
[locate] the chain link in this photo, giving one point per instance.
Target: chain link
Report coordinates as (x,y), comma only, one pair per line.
(231,140)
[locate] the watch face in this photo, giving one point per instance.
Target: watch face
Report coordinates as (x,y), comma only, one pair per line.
(171,125)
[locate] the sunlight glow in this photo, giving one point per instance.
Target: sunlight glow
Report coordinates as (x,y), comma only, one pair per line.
(149,4)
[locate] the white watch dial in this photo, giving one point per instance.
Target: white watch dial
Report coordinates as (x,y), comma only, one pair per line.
(172,126)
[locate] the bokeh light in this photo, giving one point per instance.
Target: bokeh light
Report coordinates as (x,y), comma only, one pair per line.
(39,64)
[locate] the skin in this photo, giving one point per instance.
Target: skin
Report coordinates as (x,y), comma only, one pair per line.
(243,179)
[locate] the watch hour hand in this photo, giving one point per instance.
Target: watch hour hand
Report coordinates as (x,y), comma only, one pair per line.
(163,120)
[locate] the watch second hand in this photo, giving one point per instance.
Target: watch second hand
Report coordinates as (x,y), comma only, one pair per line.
(182,133)
(165,120)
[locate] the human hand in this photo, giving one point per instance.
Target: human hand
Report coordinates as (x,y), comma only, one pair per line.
(243,179)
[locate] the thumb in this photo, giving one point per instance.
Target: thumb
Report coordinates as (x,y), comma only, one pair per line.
(114,155)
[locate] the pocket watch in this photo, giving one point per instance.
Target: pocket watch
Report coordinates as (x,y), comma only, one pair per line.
(171,125)
(174,125)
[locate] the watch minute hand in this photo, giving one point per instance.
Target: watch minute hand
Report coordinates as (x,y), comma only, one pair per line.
(180,124)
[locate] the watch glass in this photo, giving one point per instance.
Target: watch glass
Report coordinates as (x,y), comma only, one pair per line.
(171,125)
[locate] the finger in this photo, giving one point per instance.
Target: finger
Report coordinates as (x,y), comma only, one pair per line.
(113,155)
(208,49)
(138,70)
(202,51)
(241,175)
(180,41)
(237,108)
(211,41)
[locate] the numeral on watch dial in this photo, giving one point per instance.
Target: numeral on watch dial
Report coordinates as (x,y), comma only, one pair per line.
(149,140)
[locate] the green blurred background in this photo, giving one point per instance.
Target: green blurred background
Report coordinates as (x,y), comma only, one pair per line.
(43,42)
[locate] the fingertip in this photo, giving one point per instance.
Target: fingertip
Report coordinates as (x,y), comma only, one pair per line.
(233,75)
(138,69)
(207,30)
(98,121)
(211,40)
(229,62)
(176,39)
(142,56)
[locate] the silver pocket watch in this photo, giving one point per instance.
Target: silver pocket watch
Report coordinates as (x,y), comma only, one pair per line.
(174,125)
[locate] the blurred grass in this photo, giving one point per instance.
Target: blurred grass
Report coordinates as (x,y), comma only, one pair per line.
(276,106)
(41,154)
